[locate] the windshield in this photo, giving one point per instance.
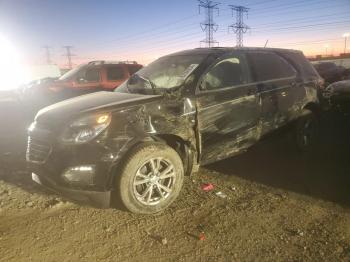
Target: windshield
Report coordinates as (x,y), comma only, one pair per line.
(165,73)
(71,73)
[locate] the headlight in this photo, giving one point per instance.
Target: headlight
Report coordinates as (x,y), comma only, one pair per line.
(86,128)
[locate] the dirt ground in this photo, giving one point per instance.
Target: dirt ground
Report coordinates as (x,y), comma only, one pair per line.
(279,206)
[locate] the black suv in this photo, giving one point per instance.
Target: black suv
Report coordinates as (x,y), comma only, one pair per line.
(184,110)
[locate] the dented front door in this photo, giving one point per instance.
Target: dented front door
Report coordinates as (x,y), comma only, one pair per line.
(228,109)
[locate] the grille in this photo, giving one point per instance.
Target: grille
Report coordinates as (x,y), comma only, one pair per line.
(38,151)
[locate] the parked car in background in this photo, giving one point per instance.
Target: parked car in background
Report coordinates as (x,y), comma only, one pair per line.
(184,110)
(331,72)
(338,96)
(87,78)
(105,75)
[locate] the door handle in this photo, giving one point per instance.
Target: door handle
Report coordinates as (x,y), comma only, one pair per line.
(284,93)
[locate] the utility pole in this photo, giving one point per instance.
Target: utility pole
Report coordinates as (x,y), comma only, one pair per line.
(326,46)
(239,28)
(208,25)
(47,54)
(346,35)
(68,55)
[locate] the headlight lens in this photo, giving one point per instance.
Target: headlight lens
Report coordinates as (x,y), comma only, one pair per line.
(86,128)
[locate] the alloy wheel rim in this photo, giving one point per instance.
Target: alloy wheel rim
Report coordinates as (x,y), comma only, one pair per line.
(154,181)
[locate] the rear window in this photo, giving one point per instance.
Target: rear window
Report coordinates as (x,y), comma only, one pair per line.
(269,66)
(303,66)
(115,73)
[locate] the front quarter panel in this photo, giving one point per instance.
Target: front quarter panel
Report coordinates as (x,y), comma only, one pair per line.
(146,122)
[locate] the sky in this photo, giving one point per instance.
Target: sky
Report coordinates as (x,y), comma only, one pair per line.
(145,30)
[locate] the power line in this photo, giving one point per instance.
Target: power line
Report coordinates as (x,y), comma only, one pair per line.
(304,26)
(184,39)
(305,19)
(209,26)
(305,9)
(239,27)
(139,35)
(69,55)
(169,41)
(180,29)
(290,5)
(180,38)
(47,54)
(179,33)
(288,8)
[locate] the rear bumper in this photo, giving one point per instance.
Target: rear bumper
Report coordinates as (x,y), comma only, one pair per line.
(98,199)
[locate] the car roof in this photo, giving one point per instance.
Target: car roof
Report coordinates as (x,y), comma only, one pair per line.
(222,50)
(110,62)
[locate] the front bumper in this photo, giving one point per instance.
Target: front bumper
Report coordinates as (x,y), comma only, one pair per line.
(49,161)
(98,199)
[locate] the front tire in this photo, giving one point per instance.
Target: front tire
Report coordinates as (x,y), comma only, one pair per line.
(150,179)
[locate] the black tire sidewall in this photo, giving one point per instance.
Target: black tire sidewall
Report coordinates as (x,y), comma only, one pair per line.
(306,116)
(135,160)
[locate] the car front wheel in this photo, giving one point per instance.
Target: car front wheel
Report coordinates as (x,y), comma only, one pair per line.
(150,179)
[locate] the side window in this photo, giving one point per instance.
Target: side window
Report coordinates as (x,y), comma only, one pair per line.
(226,73)
(302,64)
(133,69)
(115,73)
(90,74)
(268,66)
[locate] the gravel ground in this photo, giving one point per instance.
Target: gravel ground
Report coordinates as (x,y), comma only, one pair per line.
(276,205)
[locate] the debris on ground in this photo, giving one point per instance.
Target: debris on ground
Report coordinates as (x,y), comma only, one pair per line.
(201,236)
(164,241)
(221,194)
(207,187)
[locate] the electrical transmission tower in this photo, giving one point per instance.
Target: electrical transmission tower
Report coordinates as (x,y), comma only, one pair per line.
(239,28)
(48,55)
(69,55)
(209,26)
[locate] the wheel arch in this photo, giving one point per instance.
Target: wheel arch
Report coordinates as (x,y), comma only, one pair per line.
(313,107)
(184,148)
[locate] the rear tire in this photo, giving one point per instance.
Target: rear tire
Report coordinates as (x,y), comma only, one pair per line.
(306,131)
(150,179)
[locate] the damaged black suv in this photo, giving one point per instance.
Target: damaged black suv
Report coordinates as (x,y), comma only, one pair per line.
(184,110)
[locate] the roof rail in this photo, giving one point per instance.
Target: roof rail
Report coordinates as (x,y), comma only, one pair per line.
(101,62)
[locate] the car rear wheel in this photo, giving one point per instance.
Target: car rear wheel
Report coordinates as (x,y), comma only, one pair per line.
(151,178)
(306,131)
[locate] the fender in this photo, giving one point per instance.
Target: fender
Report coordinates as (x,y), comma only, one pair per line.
(168,120)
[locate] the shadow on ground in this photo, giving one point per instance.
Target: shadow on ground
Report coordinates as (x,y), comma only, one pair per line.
(324,174)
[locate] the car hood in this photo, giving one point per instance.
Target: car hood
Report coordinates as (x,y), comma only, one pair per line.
(56,113)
